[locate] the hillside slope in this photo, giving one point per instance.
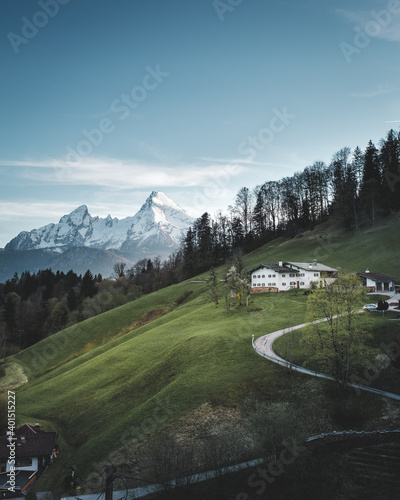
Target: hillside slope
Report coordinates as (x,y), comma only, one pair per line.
(177,358)
(373,247)
(117,378)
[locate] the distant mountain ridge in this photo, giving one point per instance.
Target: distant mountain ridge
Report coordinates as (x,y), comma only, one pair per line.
(80,242)
(160,225)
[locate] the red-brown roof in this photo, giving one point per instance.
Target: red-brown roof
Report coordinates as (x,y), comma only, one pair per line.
(30,442)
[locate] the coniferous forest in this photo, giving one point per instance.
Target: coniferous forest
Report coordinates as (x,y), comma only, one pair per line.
(355,189)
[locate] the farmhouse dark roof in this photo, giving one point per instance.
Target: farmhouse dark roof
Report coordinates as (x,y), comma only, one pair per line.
(377,277)
(30,442)
(21,478)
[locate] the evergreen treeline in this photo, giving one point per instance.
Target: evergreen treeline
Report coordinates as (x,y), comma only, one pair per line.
(354,188)
(34,306)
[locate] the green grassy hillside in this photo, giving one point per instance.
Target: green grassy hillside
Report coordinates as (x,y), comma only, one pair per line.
(374,248)
(193,354)
(119,377)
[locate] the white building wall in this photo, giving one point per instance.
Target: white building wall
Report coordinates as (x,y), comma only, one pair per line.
(295,278)
(34,466)
(373,284)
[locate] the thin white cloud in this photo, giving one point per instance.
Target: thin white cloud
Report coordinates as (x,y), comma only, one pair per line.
(230,161)
(381,89)
(116,174)
(52,210)
(385,27)
(33,209)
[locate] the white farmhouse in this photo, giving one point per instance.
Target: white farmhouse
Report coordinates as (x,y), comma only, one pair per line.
(286,276)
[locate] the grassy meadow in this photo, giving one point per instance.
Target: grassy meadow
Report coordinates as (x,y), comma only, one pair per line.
(119,377)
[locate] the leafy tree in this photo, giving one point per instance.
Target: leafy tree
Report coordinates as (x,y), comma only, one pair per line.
(239,284)
(58,317)
(383,306)
(119,269)
(213,287)
(243,203)
(337,344)
(274,424)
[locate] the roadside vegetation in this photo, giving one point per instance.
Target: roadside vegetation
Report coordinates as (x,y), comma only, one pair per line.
(378,366)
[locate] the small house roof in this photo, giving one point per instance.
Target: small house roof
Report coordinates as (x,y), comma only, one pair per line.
(21,478)
(377,277)
(30,442)
(311,266)
(273,267)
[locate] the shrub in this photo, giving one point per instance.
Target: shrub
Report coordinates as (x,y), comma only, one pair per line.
(347,413)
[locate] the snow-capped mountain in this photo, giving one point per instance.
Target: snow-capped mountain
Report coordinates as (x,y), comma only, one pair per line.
(159,225)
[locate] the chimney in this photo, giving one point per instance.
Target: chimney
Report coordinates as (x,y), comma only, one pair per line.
(366,271)
(280,263)
(314,262)
(37,427)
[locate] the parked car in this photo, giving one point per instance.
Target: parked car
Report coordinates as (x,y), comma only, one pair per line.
(370,307)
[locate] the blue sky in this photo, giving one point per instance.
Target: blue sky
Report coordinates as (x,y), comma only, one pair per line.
(104,101)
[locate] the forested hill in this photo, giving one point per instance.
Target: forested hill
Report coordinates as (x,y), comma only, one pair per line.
(354,190)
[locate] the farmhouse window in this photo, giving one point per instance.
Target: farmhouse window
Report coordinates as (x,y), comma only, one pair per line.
(283,284)
(23,462)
